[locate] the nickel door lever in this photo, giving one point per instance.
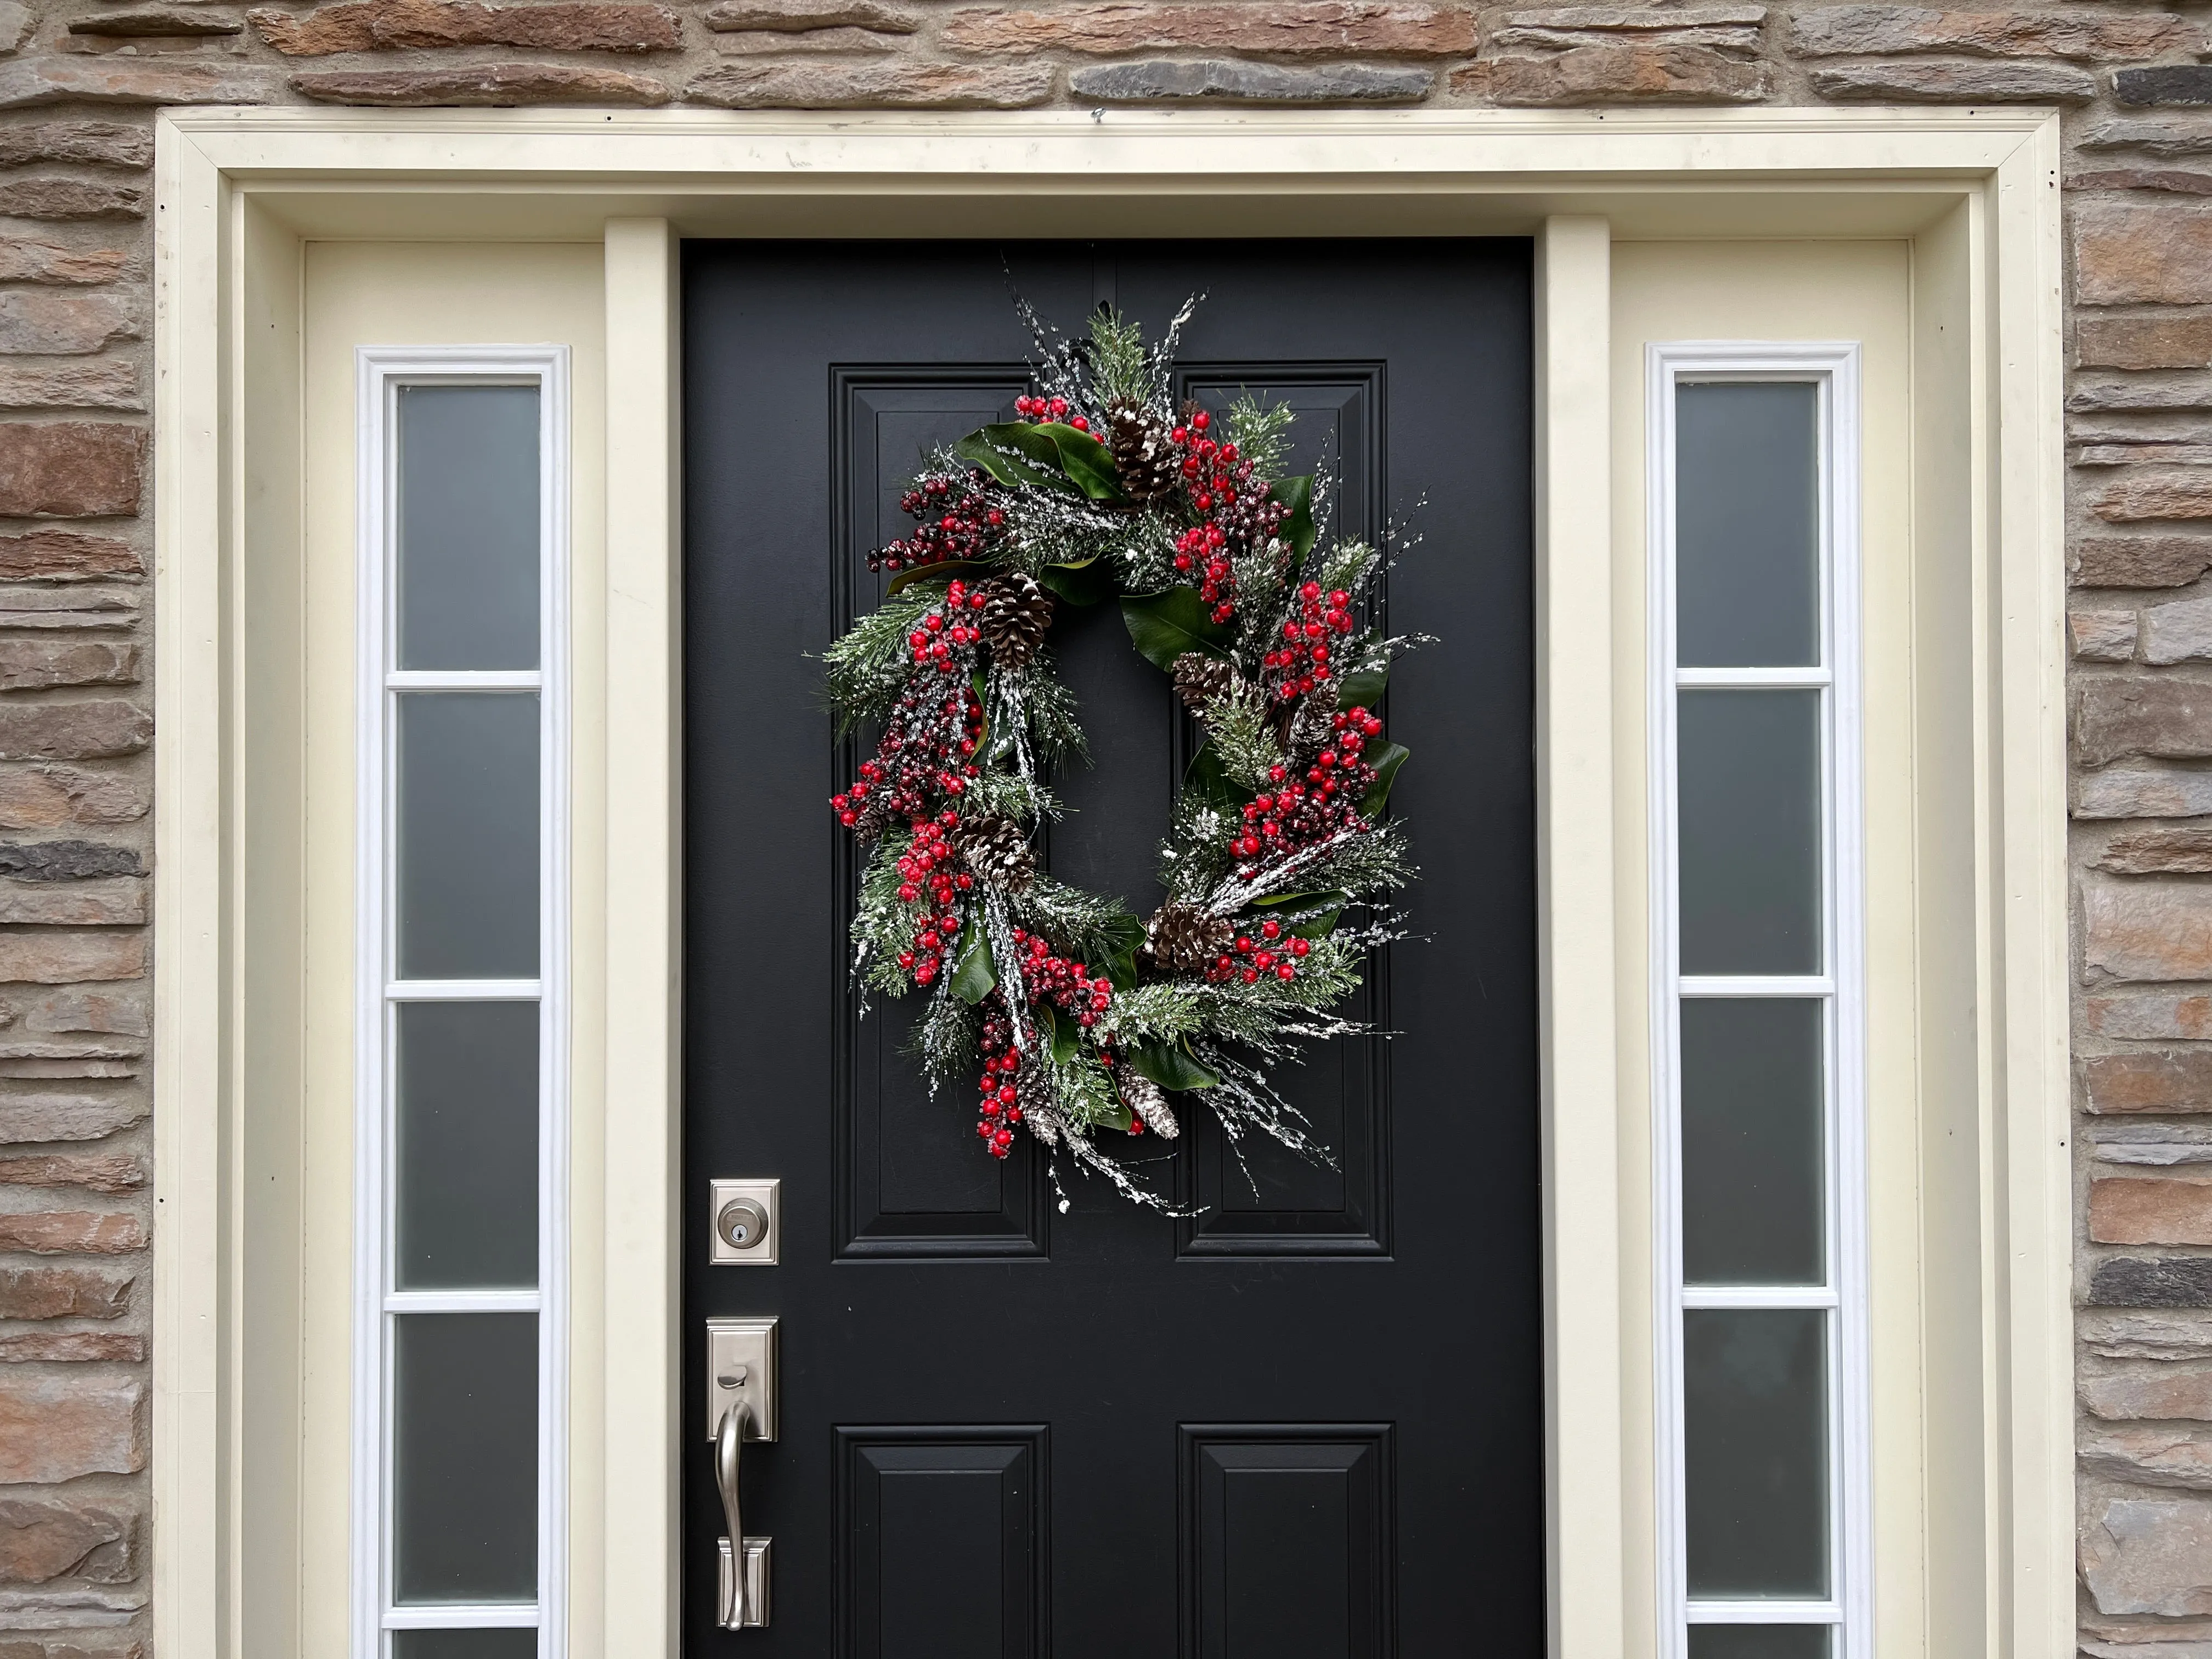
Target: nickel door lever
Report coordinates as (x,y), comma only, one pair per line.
(741,1395)
(744,1596)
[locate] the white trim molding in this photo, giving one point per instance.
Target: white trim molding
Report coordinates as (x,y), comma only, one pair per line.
(382,372)
(242,194)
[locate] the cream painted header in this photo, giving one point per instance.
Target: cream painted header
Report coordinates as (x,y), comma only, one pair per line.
(1969,200)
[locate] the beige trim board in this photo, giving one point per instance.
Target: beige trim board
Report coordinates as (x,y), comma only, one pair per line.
(239,190)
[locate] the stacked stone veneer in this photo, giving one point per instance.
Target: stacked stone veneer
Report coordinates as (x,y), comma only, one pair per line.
(78,81)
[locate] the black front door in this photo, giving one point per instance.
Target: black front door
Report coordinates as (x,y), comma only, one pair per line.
(1306,1422)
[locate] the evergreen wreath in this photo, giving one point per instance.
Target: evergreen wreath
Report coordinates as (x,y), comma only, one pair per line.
(1078,1016)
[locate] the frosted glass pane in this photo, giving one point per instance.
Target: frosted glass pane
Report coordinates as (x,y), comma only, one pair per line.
(1749,782)
(464,1457)
(1756,1422)
(1746,518)
(464,1644)
(468,834)
(1757,1641)
(467,1091)
(1753,1195)
(468,530)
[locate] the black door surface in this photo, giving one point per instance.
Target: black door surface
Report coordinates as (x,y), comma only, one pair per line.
(1305,1424)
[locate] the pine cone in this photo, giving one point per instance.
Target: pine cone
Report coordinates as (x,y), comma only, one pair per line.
(1138,439)
(1201,680)
(1149,1102)
(1183,939)
(1016,613)
(998,850)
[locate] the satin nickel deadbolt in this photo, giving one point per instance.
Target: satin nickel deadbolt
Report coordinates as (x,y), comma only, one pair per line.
(744,1223)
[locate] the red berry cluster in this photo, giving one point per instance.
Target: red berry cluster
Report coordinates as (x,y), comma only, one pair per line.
(1295,814)
(1270,953)
(1049,408)
(925,865)
(1046,977)
(1301,662)
(931,735)
(950,528)
(1234,512)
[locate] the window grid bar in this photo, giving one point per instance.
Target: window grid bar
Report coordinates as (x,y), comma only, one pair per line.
(520,1615)
(1776,1612)
(1753,679)
(1754,985)
(1833,368)
(443,1301)
(1758,1296)
(464,679)
(464,990)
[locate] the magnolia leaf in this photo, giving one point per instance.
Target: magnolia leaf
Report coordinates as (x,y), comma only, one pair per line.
(1209,779)
(1166,625)
(1018,454)
(1296,494)
(1063,1036)
(1086,583)
(974,977)
(1086,461)
(1386,761)
(1320,926)
(1169,1066)
(1124,935)
(1362,688)
(943,571)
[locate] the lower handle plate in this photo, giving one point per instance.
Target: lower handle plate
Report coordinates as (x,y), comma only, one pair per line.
(757,1582)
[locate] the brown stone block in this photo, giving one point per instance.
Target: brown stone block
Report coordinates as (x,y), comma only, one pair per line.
(70,469)
(2149,1457)
(1641,71)
(2146,1080)
(48,797)
(69,555)
(110,385)
(869,85)
(118,901)
(1232,81)
(22,261)
(65,1232)
(35,665)
(2142,931)
(411,25)
(63,323)
(2180,339)
(2148,497)
(1839,31)
(71,1347)
(2151,1015)
(1400,27)
(49,1537)
(2183,1393)
(765,43)
(1956,83)
(117,80)
(2166,1210)
(156,23)
(73,731)
(64,1293)
(59,1428)
(60,958)
(71,198)
(2167,718)
(2178,180)
(2169,850)
(113,1007)
(98,144)
(2139,561)
(495,86)
(2145,1557)
(114,1172)
(800,15)
(2129,253)
(2101,636)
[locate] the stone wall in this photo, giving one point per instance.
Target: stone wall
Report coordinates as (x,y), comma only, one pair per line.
(78,81)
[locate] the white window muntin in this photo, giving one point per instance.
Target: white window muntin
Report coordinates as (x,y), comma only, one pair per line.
(381,373)
(1832,369)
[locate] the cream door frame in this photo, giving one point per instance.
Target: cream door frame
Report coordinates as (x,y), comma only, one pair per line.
(1976,191)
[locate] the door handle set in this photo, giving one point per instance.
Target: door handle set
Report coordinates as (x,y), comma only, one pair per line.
(741,1401)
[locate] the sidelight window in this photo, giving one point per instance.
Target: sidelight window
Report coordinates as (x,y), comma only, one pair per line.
(458,1387)
(1758,1002)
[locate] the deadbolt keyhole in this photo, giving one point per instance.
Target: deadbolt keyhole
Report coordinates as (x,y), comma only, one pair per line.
(742,1223)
